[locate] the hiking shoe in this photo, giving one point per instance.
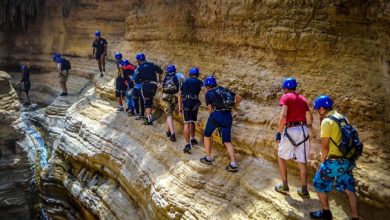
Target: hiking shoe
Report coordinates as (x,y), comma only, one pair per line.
(168,133)
(194,142)
(104,69)
(303,194)
(147,122)
(64,94)
(231,168)
(119,109)
(26,103)
(206,161)
(101,74)
(282,189)
(172,137)
(187,149)
(320,214)
(139,117)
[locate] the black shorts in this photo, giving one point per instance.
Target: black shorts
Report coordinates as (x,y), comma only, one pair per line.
(119,94)
(148,91)
(98,56)
(190,110)
(136,93)
(26,86)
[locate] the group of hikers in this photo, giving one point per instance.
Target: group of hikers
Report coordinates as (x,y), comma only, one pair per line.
(137,85)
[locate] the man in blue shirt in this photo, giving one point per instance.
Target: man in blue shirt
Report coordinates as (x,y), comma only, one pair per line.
(99,51)
(26,82)
(63,72)
(147,75)
(188,105)
(220,102)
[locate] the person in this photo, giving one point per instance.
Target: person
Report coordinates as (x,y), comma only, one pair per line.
(63,68)
(147,76)
(219,102)
(26,84)
(138,101)
(171,87)
(120,88)
(118,60)
(99,51)
(188,105)
(335,170)
(295,118)
(127,71)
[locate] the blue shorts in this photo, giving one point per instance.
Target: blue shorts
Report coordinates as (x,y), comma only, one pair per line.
(336,172)
(222,120)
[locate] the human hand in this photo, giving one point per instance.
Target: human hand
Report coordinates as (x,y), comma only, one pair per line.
(278,137)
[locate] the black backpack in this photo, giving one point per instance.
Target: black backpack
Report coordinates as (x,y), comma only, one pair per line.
(350,145)
(66,64)
(225,99)
(170,84)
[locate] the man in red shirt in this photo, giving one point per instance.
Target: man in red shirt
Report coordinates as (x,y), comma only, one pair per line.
(295,119)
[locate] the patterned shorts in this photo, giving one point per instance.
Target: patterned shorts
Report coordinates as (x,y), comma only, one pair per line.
(335,173)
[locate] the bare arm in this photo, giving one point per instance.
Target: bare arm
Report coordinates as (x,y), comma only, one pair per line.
(324,149)
(179,101)
(59,69)
(105,49)
(210,108)
(93,51)
(238,100)
(282,119)
(309,118)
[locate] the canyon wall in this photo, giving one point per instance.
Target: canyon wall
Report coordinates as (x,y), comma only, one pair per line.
(340,48)
(17,194)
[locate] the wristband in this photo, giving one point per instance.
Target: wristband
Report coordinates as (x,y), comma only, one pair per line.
(278,136)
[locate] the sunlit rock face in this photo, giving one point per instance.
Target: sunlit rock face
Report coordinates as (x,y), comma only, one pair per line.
(17,192)
(339,48)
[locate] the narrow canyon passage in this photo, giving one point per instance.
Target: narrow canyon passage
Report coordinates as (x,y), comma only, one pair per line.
(75,157)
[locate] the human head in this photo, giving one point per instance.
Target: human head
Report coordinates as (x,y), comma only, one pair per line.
(289,84)
(118,56)
(194,72)
(171,68)
(140,57)
(98,34)
(210,82)
(125,62)
(22,68)
(56,57)
(323,104)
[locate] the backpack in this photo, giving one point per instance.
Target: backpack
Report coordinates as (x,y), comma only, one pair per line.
(350,145)
(225,99)
(171,84)
(66,64)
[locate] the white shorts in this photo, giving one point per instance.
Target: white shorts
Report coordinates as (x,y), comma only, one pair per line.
(288,151)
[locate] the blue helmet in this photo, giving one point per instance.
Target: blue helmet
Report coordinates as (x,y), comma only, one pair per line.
(22,67)
(125,63)
(289,83)
(210,81)
(56,56)
(171,68)
(140,57)
(323,101)
(194,71)
(118,56)
(98,34)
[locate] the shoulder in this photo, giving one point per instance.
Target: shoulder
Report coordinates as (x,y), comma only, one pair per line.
(284,99)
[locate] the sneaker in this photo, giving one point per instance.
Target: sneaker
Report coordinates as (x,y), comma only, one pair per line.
(104,69)
(320,214)
(231,168)
(64,94)
(128,111)
(305,195)
(187,149)
(168,133)
(101,74)
(120,109)
(282,189)
(172,137)
(194,142)
(26,103)
(206,161)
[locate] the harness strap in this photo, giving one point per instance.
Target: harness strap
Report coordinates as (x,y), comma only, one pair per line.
(292,141)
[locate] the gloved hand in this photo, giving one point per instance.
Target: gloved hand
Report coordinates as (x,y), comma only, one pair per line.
(278,136)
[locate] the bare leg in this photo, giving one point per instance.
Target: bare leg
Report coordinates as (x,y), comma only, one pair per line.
(282,169)
(148,112)
(171,126)
(187,132)
(207,146)
(302,168)
(100,66)
(230,149)
(119,100)
(193,130)
(324,199)
(353,202)
(103,62)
